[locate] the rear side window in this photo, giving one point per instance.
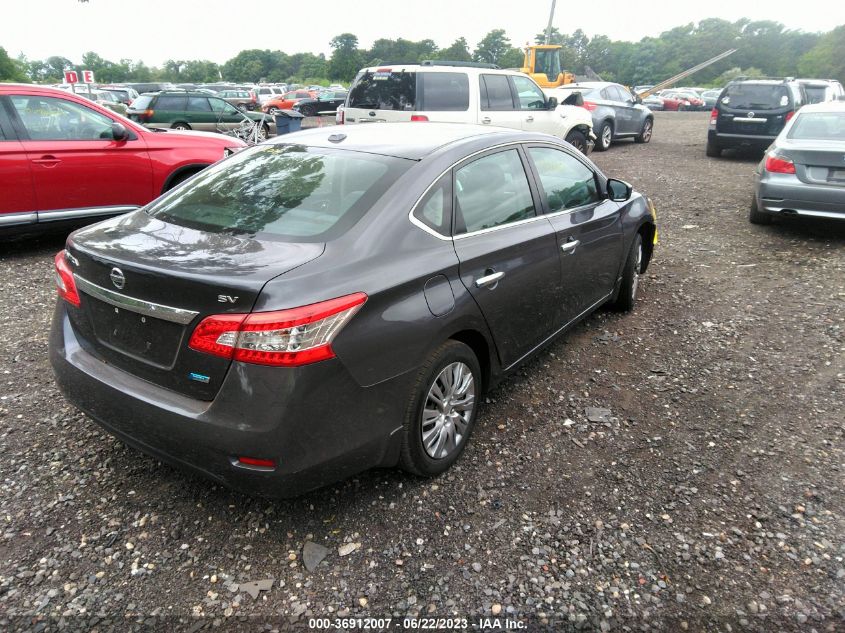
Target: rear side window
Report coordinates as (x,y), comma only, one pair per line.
(443,92)
(492,191)
(168,102)
(198,104)
(755,96)
(816,94)
(290,192)
(496,93)
(384,90)
(435,209)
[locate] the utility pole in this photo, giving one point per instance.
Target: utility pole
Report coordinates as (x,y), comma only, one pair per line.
(551,19)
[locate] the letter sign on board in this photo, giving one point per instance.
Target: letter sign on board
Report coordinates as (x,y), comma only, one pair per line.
(71,77)
(88,76)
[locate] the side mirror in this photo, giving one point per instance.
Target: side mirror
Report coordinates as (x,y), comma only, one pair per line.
(618,190)
(551,103)
(119,132)
(574,99)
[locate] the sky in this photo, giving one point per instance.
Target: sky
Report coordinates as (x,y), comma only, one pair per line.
(156,30)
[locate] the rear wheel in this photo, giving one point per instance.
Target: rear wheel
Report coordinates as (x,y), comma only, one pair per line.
(309,110)
(180,125)
(645,134)
(630,277)
(272,110)
(263,132)
(605,136)
(713,150)
(442,411)
(577,140)
(755,216)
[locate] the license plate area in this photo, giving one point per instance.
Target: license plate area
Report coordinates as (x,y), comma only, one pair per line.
(836,176)
(145,338)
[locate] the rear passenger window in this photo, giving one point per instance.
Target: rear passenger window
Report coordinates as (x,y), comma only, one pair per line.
(443,92)
(496,93)
(198,104)
(171,103)
(565,180)
(492,191)
(435,209)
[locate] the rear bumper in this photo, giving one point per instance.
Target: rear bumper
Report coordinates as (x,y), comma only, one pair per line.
(315,421)
(726,141)
(783,194)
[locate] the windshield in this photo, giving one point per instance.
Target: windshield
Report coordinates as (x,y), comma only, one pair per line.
(819,126)
(756,96)
(290,192)
(547,62)
(384,89)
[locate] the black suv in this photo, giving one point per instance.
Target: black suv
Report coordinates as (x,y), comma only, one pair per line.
(750,113)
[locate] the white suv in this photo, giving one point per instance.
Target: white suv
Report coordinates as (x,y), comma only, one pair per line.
(463,92)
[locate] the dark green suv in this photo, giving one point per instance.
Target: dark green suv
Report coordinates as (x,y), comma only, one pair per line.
(192,110)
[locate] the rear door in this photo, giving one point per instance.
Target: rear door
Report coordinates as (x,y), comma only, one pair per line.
(200,115)
(616,100)
(508,254)
(17,195)
(587,227)
(169,109)
(75,163)
(498,103)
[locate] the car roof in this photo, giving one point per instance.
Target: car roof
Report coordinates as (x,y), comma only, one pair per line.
(824,106)
(411,140)
(589,84)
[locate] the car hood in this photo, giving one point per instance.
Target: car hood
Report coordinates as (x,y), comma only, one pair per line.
(223,139)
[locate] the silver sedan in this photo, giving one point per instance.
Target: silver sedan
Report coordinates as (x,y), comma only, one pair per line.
(803,170)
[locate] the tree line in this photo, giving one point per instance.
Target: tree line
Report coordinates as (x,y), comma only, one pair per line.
(764,47)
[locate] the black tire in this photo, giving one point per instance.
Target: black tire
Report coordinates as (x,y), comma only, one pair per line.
(250,107)
(178,180)
(273,110)
(309,110)
(755,216)
(577,140)
(414,458)
(713,150)
(265,130)
(604,137)
(645,134)
(180,125)
(627,296)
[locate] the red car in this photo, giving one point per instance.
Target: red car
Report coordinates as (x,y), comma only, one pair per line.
(287,100)
(65,158)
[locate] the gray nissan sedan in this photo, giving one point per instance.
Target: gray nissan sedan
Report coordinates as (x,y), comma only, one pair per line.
(803,170)
(339,298)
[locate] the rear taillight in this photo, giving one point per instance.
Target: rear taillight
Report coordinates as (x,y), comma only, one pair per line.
(146,115)
(789,115)
(284,338)
(419,117)
(589,105)
(777,165)
(714,114)
(64,280)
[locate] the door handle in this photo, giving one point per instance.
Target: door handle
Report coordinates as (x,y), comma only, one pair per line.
(529,119)
(489,280)
(47,159)
(570,246)
(486,119)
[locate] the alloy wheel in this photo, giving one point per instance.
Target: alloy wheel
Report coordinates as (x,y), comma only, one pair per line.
(448,410)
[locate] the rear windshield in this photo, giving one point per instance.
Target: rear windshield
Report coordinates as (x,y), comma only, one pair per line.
(142,102)
(819,126)
(289,192)
(756,96)
(815,94)
(384,90)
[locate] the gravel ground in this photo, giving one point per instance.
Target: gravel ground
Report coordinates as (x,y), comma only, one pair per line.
(707,497)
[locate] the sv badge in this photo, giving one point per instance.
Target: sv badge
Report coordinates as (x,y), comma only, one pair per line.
(226,299)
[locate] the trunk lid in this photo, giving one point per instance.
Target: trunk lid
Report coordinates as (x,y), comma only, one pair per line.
(142,300)
(816,162)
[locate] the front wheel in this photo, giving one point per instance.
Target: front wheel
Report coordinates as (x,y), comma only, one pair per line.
(577,140)
(630,277)
(309,110)
(180,126)
(605,136)
(273,110)
(442,410)
(645,134)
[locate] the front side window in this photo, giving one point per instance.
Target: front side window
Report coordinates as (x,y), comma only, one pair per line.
(288,192)
(496,93)
(530,95)
(52,119)
(222,107)
(492,191)
(565,180)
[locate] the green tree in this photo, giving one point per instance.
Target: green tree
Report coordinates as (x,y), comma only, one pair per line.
(826,59)
(493,48)
(346,58)
(10,69)
(457,52)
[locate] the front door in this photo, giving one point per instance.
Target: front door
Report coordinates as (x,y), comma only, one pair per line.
(508,254)
(532,104)
(588,228)
(74,160)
